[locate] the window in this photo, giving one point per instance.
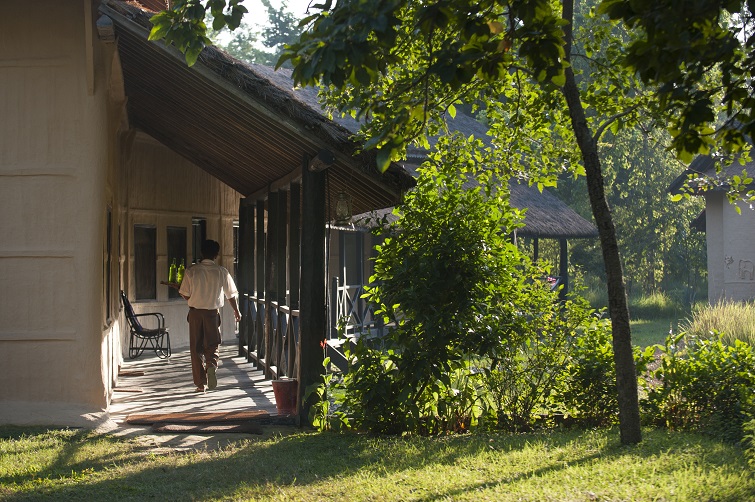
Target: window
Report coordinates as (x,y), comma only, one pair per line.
(198,235)
(176,252)
(145,262)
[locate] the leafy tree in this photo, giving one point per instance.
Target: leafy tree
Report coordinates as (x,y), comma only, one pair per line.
(246,42)
(678,45)
(659,251)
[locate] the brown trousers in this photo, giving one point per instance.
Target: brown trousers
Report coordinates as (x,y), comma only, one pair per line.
(204,338)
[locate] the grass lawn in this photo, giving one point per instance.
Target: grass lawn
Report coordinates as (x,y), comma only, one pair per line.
(570,465)
(647,332)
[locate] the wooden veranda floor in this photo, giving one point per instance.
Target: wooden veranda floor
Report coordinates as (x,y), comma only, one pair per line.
(166,386)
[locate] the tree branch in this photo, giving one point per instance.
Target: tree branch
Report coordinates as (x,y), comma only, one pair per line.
(610,120)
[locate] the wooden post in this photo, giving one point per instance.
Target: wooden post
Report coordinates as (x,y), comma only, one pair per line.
(536,245)
(294,243)
(312,318)
(243,285)
(280,276)
(259,325)
(270,271)
(563,264)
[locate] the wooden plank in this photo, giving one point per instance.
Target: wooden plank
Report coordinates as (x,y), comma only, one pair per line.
(260,248)
(281,277)
(294,244)
(279,184)
(281,242)
(313,321)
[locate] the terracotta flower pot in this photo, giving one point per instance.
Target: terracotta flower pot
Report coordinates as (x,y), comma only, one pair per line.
(286,392)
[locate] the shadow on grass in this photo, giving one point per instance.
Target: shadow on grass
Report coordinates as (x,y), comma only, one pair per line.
(259,467)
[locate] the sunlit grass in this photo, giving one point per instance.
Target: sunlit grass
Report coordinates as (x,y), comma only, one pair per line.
(565,465)
(735,320)
(652,332)
(658,305)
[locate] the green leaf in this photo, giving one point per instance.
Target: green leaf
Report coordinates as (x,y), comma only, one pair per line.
(159,30)
(559,79)
(383,159)
(192,54)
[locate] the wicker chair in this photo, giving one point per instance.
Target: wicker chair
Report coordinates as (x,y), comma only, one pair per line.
(141,338)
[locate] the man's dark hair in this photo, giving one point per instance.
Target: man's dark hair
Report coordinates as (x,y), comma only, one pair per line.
(210,249)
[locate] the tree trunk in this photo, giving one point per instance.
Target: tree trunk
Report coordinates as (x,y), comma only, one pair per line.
(626,374)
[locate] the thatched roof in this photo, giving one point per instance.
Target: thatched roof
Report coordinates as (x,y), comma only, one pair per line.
(547,217)
(705,166)
(244,124)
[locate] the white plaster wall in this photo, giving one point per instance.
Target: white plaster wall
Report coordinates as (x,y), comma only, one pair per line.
(731,249)
(714,235)
(739,252)
(53,155)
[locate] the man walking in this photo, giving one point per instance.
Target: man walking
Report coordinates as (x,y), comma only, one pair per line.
(205,286)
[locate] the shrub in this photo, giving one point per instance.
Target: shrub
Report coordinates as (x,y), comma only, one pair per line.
(749,440)
(735,320)
(455,288)
(703,384)
(588,388)
(529,365)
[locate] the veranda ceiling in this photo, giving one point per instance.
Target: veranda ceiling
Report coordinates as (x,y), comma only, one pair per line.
(237,123)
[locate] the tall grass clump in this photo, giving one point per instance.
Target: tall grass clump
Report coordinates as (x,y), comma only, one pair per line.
(654,306)
(734,320)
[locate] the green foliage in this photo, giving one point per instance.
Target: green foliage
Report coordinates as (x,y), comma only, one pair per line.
(749,441)
(529,366)
(183,24)
(588,389)
(248,43)
(322,414)
(658,248)
(734,320)
(680,53)
(703,385)
(454,287)
(403,53)
(461,404)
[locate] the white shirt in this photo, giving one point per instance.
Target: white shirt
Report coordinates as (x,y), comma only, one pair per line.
(207,285)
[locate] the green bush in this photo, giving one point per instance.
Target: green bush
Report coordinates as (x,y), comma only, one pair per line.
(749,439)
(703,384)
(455,288)
(529,365)
(588,389)
(734,320)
